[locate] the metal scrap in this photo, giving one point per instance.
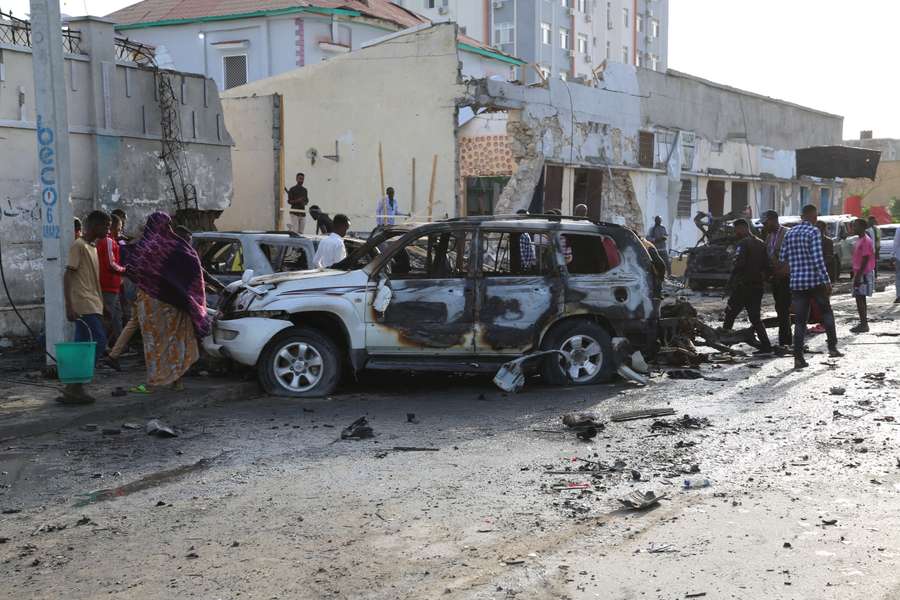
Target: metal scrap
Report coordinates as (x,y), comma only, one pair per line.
(641,500)
(647,413)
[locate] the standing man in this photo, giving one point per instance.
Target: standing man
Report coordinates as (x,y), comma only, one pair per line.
(802,250)
(659,236)
(827,250)
(864,258)
(298,198)
(781,286)
(748,277)
(386,211)
(331,250)
(111,271)
(83,295)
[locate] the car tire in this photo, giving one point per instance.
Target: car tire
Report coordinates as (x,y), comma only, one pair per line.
(300,363)
(593,352)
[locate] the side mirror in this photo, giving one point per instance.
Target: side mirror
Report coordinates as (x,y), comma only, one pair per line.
(247,276)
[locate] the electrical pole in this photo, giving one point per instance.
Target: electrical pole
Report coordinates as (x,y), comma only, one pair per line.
(54,170)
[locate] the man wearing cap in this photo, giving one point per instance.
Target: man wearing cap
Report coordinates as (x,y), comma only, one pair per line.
(781,283)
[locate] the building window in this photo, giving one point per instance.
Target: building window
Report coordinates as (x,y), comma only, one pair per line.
(645,148)
(638,60)
(582,6)
(654,62)
(625,55)
(546,35)
(504,33)
(625,21)
(436,3)
(654,28)
(564,42)
(582,43)
(609,17)
(564,3)
(234,70)
(640,23)
(717,147)
(685,198)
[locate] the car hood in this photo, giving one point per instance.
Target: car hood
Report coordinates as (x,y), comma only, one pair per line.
(317,277)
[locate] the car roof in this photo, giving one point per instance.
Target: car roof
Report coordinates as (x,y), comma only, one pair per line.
(889,226)
(267,236)
(531,222)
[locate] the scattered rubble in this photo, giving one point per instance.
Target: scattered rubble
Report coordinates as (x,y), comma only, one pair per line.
(641,500)
(358,430)
(159,429)
(682,423)
(647,413)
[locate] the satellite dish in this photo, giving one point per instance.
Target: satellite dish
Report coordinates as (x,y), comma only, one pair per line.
(312,154)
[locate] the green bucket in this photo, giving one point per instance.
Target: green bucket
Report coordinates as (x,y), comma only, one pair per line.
(75,361)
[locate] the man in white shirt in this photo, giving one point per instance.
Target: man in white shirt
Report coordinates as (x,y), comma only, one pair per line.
(386,211)
(897,264)
(331,250)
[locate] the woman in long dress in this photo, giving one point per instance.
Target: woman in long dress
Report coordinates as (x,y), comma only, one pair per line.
(171,301)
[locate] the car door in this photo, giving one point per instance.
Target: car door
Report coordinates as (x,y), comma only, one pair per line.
(431,307)
(518,289)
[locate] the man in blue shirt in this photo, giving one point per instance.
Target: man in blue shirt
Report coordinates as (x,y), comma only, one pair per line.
(802,251)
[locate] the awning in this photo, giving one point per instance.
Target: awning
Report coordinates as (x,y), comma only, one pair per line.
(829,162)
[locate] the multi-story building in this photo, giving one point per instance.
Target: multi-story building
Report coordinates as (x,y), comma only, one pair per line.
(563,38)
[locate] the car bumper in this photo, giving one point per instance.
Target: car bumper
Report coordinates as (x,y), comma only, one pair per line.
(243,340)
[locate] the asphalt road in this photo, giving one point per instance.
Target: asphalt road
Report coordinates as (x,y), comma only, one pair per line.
(260,499)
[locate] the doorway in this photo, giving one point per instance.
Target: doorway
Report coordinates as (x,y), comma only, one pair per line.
(588,188)
(715,195)
(738,197)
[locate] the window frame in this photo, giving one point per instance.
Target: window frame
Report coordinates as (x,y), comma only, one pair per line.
(546,34)
(385,268)
(225,58)
(546,265)
(581,37)
(565,38)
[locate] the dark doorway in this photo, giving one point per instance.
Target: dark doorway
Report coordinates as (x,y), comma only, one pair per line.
(553,181)
(738,197)
(715,195)
(588,187)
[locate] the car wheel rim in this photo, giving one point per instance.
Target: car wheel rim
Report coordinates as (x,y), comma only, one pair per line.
(298,367)
(585,358)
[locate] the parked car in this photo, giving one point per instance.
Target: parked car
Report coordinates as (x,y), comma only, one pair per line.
(457,295)
(227,254)
(840,229)
(886,254)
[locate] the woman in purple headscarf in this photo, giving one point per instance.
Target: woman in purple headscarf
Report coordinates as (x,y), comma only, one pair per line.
(171,302)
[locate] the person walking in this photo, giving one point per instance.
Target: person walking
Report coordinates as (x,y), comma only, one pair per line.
(298,198)
(864,259)
(387,209)
(331,249)
(802,250)
(111,272)
(84,296)
(748,277)
(659,237)
(171,302)
(780,276)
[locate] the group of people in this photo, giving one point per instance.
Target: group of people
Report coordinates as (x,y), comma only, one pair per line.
(115,286)
(387,209)
(796,262)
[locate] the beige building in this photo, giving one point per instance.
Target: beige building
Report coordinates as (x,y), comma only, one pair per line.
(886,187)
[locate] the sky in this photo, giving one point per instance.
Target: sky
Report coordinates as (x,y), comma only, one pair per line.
(833,55)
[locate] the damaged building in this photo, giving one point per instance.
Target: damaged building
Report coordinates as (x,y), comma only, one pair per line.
(124,115)
(632,144)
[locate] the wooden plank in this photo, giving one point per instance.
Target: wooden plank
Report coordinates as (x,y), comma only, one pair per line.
(647,413)
(431,191)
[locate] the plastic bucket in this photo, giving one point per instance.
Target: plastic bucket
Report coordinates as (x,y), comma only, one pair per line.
(75,361)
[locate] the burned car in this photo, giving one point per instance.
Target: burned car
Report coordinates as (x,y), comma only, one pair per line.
(709,263)
(459,295)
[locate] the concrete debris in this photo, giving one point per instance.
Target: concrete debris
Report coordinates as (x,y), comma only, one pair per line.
(641,500)
(159,429)
(837,391)
(358,430)
(582,421)
(682,423)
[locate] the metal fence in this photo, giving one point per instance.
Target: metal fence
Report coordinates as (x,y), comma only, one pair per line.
(17,32)
(127,50)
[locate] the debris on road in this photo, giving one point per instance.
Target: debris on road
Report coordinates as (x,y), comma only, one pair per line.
(587,435)
(159,429)
(413,449)
(641,500)
(411,418)
(684,374)
(582,421)
(511,378)
(696,484)
(682,423)
(647,413)
(131,426)
(358,430)
(837,391)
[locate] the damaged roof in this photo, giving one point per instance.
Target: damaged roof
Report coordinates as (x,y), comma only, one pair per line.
(830,162)
(162,13)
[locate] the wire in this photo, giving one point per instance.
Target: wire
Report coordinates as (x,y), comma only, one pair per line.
(16,310)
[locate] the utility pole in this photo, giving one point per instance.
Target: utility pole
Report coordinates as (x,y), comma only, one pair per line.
(54,170)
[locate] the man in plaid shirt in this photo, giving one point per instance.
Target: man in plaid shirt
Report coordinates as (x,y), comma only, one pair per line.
(802,251)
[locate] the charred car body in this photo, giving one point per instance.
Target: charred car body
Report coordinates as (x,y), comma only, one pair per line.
(459,295)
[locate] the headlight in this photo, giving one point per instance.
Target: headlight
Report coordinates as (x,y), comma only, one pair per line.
(225,335)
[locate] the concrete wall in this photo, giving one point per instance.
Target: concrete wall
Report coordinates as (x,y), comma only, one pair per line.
(114,125)
(251,123)
(400,94)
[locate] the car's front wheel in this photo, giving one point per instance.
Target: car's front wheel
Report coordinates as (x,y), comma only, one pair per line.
(301,363)
(589,347)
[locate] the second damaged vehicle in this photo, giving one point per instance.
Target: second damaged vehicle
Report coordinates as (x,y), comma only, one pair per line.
(462,295)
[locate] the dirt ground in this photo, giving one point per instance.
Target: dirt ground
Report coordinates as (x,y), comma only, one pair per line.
(260,499)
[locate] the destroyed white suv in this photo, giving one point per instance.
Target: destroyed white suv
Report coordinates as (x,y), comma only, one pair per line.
(458,295)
